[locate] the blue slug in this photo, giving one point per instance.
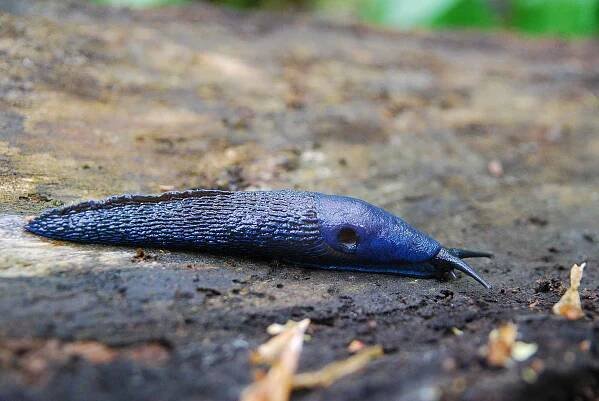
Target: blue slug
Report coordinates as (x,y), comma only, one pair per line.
(305,228)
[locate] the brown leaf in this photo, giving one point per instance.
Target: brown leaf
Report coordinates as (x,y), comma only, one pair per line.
(270,351)
(500,344)
(355,346)
(148,354)
(569,305)
(334,371)
(282,352)
(93,351)
(503,348)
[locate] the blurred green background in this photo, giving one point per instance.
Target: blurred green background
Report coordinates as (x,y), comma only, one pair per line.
(565,18)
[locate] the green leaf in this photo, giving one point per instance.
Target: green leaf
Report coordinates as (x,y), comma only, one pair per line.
(565,17)
(409,13)
(467,13)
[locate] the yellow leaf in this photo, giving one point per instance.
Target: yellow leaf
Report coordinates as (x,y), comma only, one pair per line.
(569,305)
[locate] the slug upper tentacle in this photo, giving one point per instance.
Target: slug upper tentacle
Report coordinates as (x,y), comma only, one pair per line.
(306,228)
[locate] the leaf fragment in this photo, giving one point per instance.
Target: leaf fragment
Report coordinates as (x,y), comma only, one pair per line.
(355,346)
(334,371)
(569,305)
(503,349)
(282,352)
(521,351)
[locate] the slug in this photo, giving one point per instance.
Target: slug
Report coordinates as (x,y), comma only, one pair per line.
(306,228)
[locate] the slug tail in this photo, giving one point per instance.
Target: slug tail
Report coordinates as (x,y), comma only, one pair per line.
(137,220)
(34,226)
(60,225)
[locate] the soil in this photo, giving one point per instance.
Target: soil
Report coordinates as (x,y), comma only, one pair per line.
(485,141)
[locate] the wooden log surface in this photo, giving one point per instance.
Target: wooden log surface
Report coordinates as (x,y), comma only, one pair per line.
(487,141)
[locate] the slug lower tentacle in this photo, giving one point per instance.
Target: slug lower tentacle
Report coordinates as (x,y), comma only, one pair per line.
(306,228)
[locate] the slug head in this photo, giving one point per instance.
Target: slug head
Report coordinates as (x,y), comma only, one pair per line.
(359,233)
(366,234)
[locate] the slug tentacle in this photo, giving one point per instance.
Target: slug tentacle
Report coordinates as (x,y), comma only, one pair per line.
(445,259)
(306,228)
(464,253)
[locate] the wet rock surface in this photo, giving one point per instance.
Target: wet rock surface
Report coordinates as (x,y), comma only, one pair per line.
(486,142)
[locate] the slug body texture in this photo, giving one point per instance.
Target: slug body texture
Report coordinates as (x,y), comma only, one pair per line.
(306,228)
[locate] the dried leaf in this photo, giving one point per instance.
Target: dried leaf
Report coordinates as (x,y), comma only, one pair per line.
(355,346)
(277,328)
(503,348)
(456,332)
(271,350)
(500,344)
(149,353)
(569,305)
(93,351)
(282,352)
(334,371)
(521,351)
